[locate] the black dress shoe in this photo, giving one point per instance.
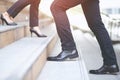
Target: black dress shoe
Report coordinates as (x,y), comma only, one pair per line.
(112,69)
(64,55)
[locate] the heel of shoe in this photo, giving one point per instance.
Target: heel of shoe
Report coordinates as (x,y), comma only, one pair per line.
(115,73)
(1,17)
(31,33)
(2,22)
(73,56)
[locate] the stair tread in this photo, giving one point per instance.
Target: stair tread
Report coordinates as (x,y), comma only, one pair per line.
(66,70)
(9,34)
(23,51)
(6,27)
(92,55)
(90,58)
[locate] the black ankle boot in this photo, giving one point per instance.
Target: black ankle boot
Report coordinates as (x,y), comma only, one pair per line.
(64,55)
(105,69)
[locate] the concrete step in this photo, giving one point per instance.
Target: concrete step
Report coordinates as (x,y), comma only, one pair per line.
(66,70)
(92,55)
(9,34)
(24,59)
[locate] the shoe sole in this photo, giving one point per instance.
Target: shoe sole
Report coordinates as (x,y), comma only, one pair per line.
(106,73)
(73,59)
(112,73)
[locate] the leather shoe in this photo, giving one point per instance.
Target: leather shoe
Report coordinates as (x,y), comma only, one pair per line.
(65,54)
(105,69)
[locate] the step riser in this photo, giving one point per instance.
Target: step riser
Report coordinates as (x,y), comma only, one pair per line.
(10,36)
(6,38)
(52,44)
(35,64)
(19,33)
(36,68)
(38,65)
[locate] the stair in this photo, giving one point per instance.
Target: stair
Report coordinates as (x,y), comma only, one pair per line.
(9,34)
(22,57)
(65,70)
(91,55)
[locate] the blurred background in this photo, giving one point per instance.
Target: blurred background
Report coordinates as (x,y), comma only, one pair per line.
(110,12)
(28,64)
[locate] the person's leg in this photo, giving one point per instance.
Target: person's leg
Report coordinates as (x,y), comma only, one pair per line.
(34,10)
(8,16)
(92,14)
(58,9)
(17,7)
(34,18)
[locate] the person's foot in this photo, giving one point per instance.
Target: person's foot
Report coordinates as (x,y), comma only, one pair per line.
(66,54)
(7,19)
(37,31)
(105,69)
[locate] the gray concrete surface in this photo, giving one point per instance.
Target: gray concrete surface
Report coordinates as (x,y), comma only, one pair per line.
(90,55)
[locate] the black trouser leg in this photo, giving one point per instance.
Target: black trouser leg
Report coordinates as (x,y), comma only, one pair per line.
(92,14)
